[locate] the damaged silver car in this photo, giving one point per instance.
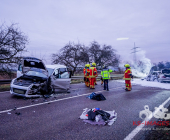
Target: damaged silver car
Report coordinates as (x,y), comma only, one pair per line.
(33,79)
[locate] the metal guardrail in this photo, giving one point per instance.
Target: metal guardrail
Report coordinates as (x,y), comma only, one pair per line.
(99,76)
(8,81)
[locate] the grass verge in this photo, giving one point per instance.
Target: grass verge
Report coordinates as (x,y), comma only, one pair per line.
(5,87)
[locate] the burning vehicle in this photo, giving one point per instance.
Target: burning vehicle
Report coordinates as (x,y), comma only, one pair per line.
(34,79)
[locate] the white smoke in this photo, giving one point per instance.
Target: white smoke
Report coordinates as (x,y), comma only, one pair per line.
(142,66)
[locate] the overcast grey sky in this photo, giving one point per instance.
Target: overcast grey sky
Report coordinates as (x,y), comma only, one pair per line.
(50,24)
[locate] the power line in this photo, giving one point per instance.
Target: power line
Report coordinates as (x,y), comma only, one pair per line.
(134,51)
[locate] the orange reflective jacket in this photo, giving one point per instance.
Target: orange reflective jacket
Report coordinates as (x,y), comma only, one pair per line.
(84,71)
(93,72)
(87,72)
(127,74)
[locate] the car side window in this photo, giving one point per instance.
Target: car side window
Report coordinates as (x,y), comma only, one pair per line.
(61,74)
(20,67)
(56,73)
(65,75)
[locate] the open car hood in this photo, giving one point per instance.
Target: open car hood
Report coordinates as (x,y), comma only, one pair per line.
(33,64)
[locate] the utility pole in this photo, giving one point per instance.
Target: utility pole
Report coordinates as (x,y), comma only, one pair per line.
(134,51)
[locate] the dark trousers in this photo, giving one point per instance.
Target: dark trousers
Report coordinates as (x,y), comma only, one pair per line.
(106,87)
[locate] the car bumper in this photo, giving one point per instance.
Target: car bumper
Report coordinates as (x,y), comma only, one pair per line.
(16,90)
(164,79)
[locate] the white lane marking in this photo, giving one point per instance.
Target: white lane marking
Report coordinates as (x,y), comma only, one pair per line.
(52,101)
(79,88)
(138,128)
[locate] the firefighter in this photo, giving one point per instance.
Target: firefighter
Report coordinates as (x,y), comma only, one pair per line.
(105,73)
(127,77)
(95,82)
(84,71)
(93,74)
(87,75)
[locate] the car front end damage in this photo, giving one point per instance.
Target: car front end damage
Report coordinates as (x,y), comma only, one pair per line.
(28,86)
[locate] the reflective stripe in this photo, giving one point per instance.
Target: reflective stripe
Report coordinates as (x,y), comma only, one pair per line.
(126,78)
(127,70)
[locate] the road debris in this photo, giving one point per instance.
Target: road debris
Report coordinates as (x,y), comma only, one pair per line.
(98,97)
(96,116)
(15,108)
(46,96)
(17,113)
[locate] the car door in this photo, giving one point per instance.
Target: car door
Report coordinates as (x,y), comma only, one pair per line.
(60,80)
(19,71)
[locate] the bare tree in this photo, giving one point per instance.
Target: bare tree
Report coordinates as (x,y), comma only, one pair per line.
(94,52)
(109,56)
(72,55)
(167,64)
(161,65)
(75,55)
(104,55)
(12,44)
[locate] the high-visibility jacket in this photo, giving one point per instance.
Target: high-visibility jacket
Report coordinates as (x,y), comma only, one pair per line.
(93,72)
(87,72)
(84,71)
(127,74)
(105,73)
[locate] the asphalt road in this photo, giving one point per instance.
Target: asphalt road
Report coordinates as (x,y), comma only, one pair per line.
(57,117)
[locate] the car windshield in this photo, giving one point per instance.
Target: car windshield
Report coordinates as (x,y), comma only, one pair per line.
(62,70)
(50,71)
(35,73)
